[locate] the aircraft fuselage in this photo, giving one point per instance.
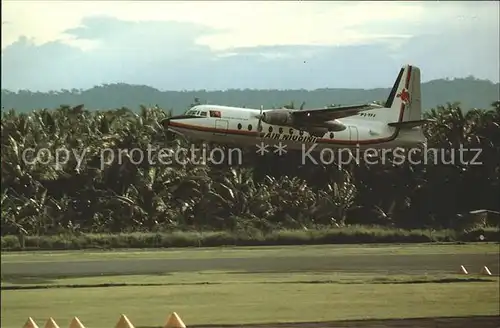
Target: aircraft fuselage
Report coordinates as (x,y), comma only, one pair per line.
(238,127)
(396,124)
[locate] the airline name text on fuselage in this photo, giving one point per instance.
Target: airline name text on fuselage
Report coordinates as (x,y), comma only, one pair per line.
(278,136)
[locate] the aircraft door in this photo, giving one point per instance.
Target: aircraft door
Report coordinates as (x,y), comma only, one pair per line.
(353,133)
(221,127)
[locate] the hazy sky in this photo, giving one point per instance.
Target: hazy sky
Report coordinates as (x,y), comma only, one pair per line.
(49,45)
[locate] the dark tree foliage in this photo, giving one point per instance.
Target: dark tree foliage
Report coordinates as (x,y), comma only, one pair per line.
(100,187)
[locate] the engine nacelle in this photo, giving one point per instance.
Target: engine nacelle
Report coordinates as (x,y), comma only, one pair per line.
(278,117)
(335,126)
(330,126)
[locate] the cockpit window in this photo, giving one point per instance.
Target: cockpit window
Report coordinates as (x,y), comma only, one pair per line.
(193,112)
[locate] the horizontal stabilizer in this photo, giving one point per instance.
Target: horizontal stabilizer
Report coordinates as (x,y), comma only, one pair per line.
(408,124)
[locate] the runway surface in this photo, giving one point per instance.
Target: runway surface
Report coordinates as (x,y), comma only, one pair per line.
(381,264)
(414,264)
(459,322)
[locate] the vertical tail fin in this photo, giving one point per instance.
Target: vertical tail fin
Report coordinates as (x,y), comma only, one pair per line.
(404,101)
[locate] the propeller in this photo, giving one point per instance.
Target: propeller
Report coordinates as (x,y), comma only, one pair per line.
(260,118)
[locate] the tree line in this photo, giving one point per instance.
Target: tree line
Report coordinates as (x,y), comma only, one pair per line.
(471,92)
(118,193)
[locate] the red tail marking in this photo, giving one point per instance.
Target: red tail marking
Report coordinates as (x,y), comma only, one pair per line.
(404,95)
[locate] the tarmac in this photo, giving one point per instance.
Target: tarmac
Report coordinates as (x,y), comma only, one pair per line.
(380,264)
(42,272)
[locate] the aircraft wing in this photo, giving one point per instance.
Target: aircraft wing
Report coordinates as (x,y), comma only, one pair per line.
(328,114)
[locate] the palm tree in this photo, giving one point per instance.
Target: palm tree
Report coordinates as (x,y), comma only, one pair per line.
(102,187)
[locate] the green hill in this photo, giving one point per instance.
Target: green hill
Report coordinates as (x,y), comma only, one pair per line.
(470,92)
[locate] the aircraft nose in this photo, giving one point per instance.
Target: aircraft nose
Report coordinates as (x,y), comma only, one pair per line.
(165,123)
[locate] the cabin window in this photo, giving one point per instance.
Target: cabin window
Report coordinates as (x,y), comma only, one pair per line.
(280,130)
(290,131)
(203,114)
(270,129)
(239,126)
(249,127)
(215,113)
(331,135)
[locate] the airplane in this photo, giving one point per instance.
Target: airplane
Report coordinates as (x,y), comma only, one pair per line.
(396,124)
